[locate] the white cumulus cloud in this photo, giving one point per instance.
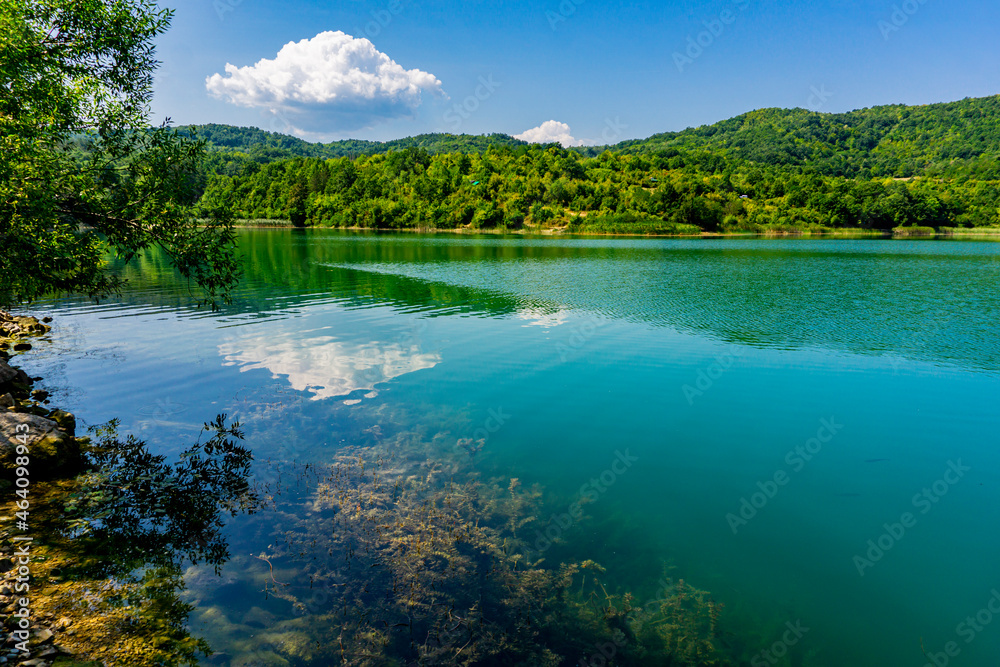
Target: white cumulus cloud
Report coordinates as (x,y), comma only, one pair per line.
(328,84)
(548,132)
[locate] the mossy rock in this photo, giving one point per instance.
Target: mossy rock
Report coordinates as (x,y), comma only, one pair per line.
(294,643)
(259,618)
(7,374)
(51,450)
(259,659)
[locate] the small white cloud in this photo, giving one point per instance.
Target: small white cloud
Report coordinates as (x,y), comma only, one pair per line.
(331,83)
(548,132)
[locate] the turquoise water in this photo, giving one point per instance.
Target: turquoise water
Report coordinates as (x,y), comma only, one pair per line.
(826,383)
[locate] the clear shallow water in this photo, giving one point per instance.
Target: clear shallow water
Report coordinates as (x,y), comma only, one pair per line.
(709,362)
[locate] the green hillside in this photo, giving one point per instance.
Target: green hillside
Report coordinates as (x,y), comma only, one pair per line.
(937,139)
(955,138)
(261,146)
(932,166)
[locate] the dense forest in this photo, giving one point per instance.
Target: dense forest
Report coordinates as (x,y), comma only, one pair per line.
(885,168)
(261,146)
(953,139)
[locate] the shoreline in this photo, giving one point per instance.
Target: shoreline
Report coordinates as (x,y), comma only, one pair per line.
(42,439)
(985,232)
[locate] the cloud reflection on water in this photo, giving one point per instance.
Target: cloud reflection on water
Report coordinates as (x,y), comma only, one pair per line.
(327,367)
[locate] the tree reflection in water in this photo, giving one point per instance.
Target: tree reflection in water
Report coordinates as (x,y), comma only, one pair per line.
(112,544)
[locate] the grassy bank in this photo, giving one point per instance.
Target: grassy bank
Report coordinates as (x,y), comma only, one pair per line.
(665,230)
(975,231)
(263,222)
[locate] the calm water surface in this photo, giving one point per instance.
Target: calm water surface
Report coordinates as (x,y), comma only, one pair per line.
(785,403)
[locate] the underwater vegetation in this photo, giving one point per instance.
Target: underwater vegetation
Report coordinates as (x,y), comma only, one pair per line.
(399,550)
(403,553)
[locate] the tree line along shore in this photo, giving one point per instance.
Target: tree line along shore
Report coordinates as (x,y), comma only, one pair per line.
(908,170)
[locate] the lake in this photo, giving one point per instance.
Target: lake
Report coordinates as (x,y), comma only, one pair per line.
(807,429)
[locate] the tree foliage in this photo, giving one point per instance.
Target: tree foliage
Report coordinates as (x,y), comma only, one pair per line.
(78,74)
(768,170)
(668,191)
(959,139)
(233,147)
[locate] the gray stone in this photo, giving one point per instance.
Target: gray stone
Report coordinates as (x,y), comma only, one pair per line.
(259,618)
(6,401)
(49,447)
(259,659)
(44,635)
(66,421)
(6,372)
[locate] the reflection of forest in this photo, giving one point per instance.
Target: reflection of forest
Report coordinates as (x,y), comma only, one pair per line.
(288,269)
(792,294)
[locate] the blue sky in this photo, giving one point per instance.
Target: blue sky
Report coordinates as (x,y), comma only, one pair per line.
(604,72)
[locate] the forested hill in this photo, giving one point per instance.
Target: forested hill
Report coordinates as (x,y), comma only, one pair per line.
(885,168)
(261,146)
(901,141)
(950,139)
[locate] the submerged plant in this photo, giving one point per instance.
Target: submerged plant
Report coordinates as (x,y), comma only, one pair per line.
(403,554)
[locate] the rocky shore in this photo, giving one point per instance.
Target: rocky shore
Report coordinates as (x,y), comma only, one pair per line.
(51,432)
(55,452)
